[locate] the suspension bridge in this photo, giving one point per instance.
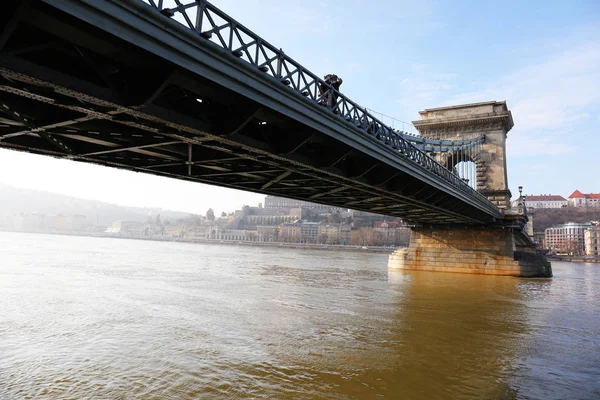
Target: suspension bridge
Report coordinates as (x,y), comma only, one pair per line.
(182,90)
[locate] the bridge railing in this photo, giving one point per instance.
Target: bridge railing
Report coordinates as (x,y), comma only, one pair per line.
(212,24)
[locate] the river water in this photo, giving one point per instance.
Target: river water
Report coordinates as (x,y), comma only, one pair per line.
(96,318)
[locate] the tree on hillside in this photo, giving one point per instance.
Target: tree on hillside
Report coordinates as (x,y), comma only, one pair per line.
(223,214)
(210,214)
(546,217)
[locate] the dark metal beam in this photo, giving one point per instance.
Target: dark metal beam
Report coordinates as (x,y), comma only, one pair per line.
(56,142)
(277,179)
(121,149)
(233,127)
(367,200)
(252,174)
(332,191)
(160,88)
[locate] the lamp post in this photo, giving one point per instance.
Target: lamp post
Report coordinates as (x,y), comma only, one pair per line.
(522,209)
(520,202)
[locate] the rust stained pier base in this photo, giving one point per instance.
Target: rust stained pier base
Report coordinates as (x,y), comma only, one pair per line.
(489,251)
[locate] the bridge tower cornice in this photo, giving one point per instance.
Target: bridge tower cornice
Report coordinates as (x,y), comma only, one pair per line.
(467,118)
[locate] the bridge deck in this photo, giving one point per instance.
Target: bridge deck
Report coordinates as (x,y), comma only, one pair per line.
(118,84)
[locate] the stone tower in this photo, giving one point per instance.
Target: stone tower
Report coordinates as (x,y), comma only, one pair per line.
(492,119)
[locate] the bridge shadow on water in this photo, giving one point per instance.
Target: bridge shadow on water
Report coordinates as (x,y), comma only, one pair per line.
(461,335)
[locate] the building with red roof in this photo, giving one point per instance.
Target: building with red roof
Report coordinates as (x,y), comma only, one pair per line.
(578,199)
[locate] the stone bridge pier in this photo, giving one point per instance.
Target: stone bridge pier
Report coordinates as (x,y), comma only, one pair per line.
(474,250)
(502,248)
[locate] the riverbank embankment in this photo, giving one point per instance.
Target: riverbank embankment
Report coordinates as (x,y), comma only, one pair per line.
(306,246)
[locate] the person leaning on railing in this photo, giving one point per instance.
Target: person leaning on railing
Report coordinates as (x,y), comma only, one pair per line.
(325,93)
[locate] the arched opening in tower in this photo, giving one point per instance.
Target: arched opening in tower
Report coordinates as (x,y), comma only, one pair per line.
(467,171)
(466,164)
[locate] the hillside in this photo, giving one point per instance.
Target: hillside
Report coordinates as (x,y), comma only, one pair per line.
(546,217)
(15,200)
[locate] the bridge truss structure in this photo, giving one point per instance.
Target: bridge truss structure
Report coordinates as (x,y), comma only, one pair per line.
(185,91)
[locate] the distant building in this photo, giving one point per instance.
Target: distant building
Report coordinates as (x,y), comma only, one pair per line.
(334,233)
(176,231)
(384,232)
(545,201)
(128,228)
(268,219)
(198,232)
(592,241)
(29,222)
(267,233)
(66,223)
(566,238)
(309,231)
(392,233)
(78,222)
(283,203)
(363,219)
(237,234)
(578,199)
(290,232)
(249,218)
(362,237)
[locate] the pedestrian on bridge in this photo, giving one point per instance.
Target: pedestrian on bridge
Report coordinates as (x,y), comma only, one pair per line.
(325,94)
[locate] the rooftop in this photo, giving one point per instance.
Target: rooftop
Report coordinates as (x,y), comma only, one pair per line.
(578,194)
(545,197)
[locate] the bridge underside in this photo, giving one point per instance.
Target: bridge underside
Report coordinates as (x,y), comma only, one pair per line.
(73,91)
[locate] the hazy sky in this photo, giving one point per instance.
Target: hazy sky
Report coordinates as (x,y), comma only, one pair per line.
(399,57)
